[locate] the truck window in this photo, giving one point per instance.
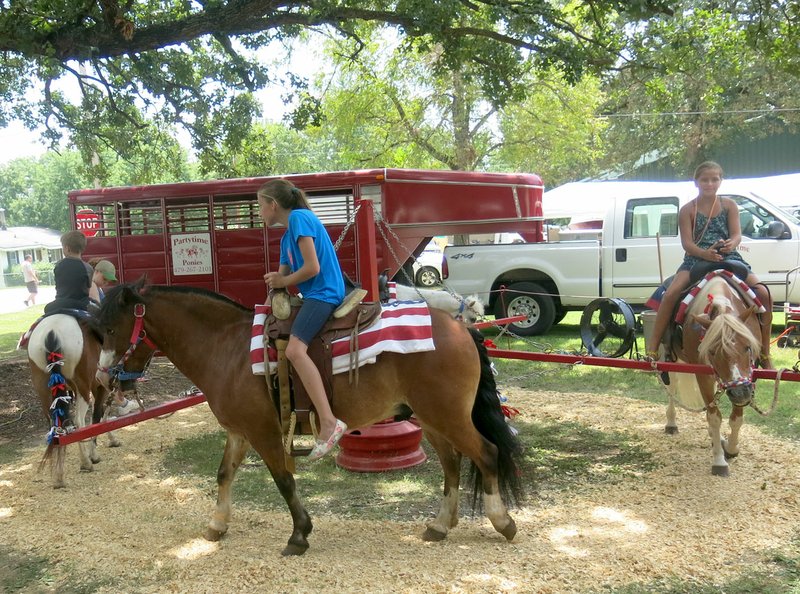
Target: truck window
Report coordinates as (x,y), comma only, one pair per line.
(646,217)
(753,218)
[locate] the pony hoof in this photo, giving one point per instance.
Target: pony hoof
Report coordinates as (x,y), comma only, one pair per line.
(96,460)
(728,455)
(670,430)
(114,444)
(510,531)
(61,485)
(87,468)
(720,471)
(432,535)
(294,550)
(213,535)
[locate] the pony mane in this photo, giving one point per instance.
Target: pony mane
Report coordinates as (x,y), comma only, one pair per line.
(136,292)
(721,334)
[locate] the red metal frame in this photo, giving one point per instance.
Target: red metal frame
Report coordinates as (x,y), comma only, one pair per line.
(118,423)
(770,374)
(174,405)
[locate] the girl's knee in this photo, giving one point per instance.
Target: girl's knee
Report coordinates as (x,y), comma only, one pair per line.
(296,351)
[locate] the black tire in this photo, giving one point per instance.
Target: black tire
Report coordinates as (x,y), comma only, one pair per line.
(530,299)
(560,315)
(428,277)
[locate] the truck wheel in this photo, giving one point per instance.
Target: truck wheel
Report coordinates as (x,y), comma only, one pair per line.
(528,299)
(427,277)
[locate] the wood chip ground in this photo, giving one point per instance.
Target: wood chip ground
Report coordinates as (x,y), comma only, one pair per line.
(124,525)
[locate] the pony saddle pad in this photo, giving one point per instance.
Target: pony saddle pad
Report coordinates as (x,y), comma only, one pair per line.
(78,314)
(738,284)
(402,327)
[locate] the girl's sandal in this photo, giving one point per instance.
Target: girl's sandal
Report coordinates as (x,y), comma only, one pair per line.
(321,448)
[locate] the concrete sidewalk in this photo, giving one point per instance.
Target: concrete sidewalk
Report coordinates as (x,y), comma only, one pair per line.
(13,299)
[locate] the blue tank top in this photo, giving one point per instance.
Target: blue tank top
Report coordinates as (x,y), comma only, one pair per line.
(328,285)
(717,229)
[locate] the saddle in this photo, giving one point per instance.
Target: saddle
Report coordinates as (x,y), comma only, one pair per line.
(292,400)
(674,334)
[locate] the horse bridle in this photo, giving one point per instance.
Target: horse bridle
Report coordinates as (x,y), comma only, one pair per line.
(138,335)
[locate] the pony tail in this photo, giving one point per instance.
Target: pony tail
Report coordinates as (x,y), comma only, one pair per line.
(300,199)
(285,193)
(489,420)
(60,406)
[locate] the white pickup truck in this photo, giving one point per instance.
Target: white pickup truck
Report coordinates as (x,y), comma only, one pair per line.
(638,246)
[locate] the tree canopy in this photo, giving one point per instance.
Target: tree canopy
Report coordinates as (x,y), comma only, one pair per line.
(140,66)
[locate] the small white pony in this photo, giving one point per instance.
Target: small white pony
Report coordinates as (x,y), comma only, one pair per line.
(470,309)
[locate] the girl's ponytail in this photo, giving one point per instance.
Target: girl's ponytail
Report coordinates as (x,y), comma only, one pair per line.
(285,193)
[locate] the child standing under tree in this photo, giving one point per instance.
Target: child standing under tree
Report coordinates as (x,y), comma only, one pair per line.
(308,261)
(710,230)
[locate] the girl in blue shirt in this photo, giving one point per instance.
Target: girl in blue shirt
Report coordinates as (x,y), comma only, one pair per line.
(308,261)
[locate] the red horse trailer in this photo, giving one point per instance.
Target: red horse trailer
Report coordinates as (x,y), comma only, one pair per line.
(209,233)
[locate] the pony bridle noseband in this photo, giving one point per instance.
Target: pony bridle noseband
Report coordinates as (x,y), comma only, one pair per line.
(138,334)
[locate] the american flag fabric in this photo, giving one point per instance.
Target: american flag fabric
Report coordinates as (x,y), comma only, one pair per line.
(403,327)
(748,294)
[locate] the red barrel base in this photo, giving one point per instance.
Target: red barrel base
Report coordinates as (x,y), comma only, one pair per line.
(388,445)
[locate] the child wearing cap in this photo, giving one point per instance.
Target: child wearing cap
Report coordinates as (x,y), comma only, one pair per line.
(104,274)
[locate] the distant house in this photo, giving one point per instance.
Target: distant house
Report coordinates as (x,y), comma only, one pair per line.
(17,242)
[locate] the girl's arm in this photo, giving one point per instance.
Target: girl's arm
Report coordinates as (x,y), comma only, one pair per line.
(309,269)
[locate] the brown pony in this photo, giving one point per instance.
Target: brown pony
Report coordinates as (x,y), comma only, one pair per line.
(723,336)
(62,354)
(451,390)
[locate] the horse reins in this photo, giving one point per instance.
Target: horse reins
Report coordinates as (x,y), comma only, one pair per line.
(138,335)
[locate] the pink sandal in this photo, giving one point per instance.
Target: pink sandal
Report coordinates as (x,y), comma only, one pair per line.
(321,448)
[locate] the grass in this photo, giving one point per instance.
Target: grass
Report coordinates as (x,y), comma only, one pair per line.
(558,456)
(32,574)
(12,325)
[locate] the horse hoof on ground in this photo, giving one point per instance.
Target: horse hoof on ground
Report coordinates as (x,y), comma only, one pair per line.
(432,535)
(60,485)
(114,443)
(89,468)
(95,459)
(670,430)
(213,535)
(294,550)
(509,531)
(720,470)
(728,455)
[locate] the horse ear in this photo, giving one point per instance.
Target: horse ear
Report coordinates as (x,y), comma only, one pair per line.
(747,313)
(139,284)
(702,319)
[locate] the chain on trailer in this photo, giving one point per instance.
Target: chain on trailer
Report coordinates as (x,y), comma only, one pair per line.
(380,223)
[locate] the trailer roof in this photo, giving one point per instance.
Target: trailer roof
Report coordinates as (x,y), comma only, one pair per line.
(306,181)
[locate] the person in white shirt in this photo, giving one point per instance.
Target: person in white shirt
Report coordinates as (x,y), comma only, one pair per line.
(31,280)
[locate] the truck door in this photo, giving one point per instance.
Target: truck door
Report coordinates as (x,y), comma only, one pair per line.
(645,248)
(770,258)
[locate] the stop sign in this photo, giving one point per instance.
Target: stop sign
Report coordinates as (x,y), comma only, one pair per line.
(87,222)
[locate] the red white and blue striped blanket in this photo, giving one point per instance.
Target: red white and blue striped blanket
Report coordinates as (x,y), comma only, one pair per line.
(403,327)
(743,288)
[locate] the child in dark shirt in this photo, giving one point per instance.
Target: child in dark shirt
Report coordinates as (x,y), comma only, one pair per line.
(73,276)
